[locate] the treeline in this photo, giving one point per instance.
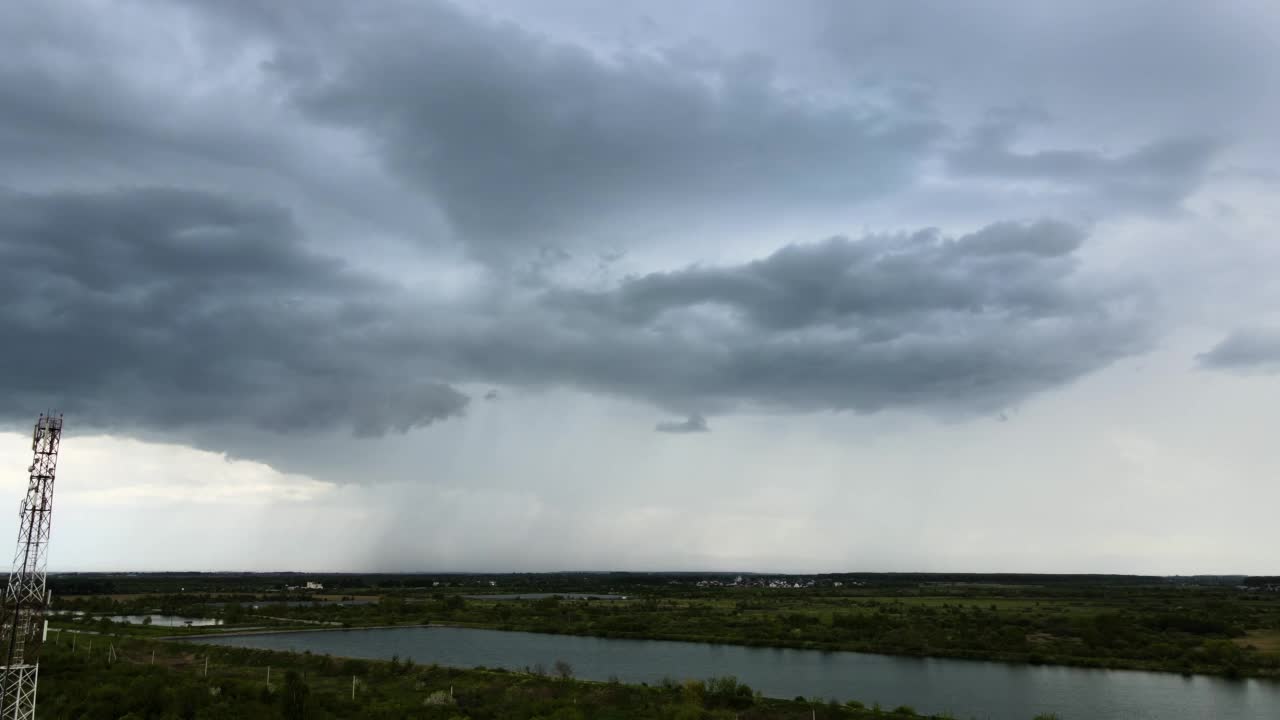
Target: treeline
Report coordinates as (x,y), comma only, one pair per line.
(1258,581)
(1183,632)
(604,582)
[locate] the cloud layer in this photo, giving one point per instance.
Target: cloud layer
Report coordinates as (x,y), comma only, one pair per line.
(967,324)
(526,141)
(166,308)
(161,308)
(271,249)
(193,230)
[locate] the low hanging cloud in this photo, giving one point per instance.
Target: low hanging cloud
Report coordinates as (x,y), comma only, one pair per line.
(162,309)
(1245,350)
(690,425)
(969,324)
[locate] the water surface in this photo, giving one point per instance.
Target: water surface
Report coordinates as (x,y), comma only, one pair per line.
(159,620)
(967,689)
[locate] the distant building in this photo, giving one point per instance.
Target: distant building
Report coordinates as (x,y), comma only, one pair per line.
(314,586)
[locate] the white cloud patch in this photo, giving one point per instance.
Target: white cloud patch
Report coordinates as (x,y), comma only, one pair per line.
(106,471)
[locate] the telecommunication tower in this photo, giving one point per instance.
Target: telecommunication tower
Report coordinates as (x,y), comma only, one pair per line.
(25,598)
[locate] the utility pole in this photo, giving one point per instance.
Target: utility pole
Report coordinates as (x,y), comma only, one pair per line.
(25,597)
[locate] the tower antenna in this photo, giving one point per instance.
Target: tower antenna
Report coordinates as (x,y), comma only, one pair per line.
(25,598)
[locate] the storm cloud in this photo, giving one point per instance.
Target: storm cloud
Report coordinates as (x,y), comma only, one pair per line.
(266,252)
(525,140)
(167,308)
(965,324)
(161,308)
(194,230)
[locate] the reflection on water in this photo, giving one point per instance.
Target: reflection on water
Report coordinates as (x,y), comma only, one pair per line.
(156,620)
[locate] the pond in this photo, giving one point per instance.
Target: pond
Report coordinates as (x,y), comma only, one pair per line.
(157,620)
(966,689)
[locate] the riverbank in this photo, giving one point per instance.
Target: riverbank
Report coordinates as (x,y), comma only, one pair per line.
(151,678)
(288,630)
(996,691)
(1185,630)
(1182,667)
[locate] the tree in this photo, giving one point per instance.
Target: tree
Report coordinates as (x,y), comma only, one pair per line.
(563,669)
(293,697)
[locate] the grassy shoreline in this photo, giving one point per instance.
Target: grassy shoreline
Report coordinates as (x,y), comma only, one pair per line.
(1072,662)
(123,676)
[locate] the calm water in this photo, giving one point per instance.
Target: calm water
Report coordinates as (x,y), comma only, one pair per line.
(991,691)
(167,620)
(159,620)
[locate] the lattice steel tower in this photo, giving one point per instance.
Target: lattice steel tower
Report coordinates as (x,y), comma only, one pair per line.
(25,598)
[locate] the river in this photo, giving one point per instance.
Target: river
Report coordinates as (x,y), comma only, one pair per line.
(963,688)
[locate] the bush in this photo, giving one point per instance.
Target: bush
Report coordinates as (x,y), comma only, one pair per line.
(439,697)
(728,692)
(293,697)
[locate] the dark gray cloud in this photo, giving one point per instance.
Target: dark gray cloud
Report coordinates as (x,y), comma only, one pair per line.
(524,140)
(690,425)
(1253,349)
(952,325)
(162,309)
(1005,267)
(195,307)
(166,308)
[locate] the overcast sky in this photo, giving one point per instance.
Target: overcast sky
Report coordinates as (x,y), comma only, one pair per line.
(805,286)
